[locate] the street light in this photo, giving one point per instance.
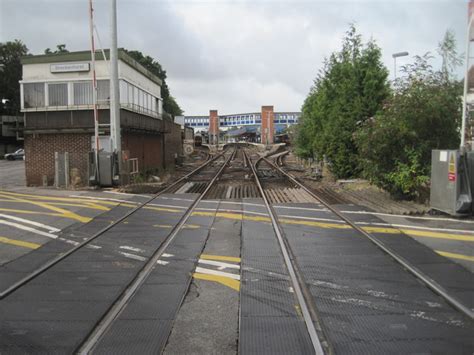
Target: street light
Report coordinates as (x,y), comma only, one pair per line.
(395,56)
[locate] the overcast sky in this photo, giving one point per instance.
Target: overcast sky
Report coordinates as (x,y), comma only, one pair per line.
(235,56)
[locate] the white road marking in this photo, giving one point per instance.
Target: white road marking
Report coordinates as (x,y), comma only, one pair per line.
(132,256)
(418,227)
(126,194)
(220,264)
(302,208)
(166,255)
(175,199)
(410,217)
(137,250)
(167,206)
(33,223)
(162,262)
(232,211)
(218,273)
(313,218)
(102,198)
(29,229)
(73,242)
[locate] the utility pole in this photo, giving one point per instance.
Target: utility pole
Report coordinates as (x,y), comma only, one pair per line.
(114,88)
(466,80)
(94,93)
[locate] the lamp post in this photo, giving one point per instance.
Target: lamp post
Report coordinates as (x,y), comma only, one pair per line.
(395,56)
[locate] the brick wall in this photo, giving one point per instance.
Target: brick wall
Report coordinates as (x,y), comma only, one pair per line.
(173,143)
(213,126)
(40,148)
(146,147)
(267,122)
(39,155)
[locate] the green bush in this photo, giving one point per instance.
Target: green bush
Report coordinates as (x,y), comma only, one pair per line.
(347,91)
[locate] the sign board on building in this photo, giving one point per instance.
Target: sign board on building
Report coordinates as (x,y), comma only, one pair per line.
(69,67)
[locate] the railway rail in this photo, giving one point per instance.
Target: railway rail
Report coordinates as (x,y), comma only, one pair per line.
(171,188)
(106,317)
(306,305)
(275,255)
(321,335)
(94,337)
(429,282)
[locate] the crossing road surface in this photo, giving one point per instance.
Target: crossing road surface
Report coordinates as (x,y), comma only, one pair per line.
(214,266)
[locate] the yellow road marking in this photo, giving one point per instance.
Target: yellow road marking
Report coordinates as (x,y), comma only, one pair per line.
(19,243)
(64,213)
(236,216)
(455,256)
(414,232)
(226,281)
(220,257)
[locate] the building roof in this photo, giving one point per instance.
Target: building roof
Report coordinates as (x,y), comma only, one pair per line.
(85,56)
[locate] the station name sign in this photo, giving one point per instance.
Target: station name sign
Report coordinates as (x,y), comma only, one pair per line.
(69,67)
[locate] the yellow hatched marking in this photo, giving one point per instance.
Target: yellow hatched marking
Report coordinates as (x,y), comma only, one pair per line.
(455,256)
(30,212)
(220,258)
(226,281)
(85,205)
(75,201)
(64,213)
(19,243)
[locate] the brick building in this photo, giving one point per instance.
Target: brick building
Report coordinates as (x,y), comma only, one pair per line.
(56,96)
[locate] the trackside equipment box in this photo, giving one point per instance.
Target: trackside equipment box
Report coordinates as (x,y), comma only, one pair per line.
(450,183)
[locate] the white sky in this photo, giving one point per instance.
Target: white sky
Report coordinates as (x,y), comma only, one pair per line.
(235,56)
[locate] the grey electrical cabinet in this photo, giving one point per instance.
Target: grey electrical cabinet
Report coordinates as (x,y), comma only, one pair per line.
(450,182)
(106,164)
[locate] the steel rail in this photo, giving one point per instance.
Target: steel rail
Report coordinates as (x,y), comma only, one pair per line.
(94,337)
(49,264)
(429,282)
(296,280)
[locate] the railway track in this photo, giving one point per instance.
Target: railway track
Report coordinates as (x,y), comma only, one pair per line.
(209,164)
(305,302)
(326,199)
(268,174)
(103,316)
(306,283)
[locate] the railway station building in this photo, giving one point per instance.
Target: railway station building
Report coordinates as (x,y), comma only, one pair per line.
(265,124)
(57,104)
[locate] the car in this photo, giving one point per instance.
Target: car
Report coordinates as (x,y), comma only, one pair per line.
(17,155)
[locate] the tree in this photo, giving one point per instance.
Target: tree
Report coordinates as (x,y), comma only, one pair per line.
(423,113)
(350,88)
(60,48)
(170,104)
(11,72)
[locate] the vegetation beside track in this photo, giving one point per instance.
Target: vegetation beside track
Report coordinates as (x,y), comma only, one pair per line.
(365,127)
